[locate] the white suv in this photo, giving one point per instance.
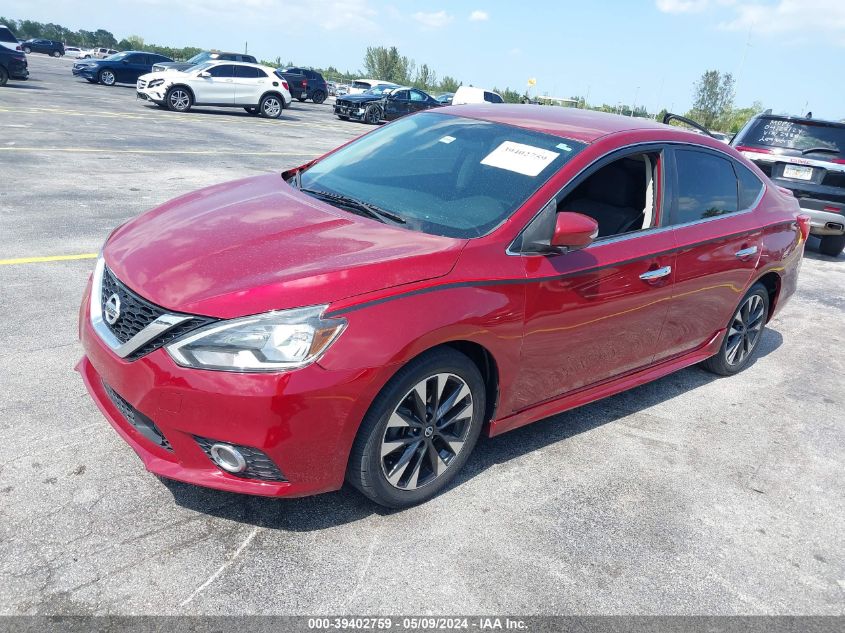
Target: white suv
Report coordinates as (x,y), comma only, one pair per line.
(255,88)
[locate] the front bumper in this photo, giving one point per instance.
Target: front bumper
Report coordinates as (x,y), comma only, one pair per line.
(87,73)
(352,112)
(305,420)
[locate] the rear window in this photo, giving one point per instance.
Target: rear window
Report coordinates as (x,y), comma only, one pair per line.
(492,97)
(809,137)
(360,84)
(6,35)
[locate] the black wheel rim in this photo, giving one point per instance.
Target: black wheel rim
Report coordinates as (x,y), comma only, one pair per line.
(745,330)
(373,115)
(426,431)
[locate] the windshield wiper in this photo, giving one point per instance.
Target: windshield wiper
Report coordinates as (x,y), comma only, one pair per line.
(820,149)
(365,208)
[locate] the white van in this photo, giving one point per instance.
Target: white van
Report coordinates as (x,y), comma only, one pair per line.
(362,85)
(8,39)
(469,94)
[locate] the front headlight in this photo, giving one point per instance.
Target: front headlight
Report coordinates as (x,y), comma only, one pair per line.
(273,341)
(155,82)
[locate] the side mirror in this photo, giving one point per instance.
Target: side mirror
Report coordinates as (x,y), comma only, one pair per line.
(574,231)
(205,74)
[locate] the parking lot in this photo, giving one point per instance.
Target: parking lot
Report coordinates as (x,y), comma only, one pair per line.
(690,495)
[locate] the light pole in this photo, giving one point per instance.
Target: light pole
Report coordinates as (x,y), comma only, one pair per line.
(634,105)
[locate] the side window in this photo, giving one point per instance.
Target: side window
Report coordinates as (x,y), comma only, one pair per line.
(491,97)
(135,59)
(224,70)
(749,186)
(622,196)
(6,35)
(706,186)
(416,95)
(402,95)
(248,72)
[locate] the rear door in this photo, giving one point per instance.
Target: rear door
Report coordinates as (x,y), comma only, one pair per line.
(219,88)
(250,84)
(719,241)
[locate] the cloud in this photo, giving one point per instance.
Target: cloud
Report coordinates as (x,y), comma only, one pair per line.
(682,6)
(824,20)
(479,16)
(434,20)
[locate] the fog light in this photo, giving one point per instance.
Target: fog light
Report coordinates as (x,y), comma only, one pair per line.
(228,458)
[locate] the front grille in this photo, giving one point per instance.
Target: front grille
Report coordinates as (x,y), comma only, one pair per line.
(136,313)
(138,420)
(258,465)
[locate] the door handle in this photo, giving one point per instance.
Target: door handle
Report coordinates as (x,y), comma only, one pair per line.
(658,273)
(746,252)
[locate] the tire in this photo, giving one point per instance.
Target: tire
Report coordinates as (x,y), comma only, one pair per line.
(56,54)
(251,109)
(179,99)
(744,331)
(398,461)
(4,77)
(27,50)
(373,115)
(302,97)
(106,77)
(318,97)
(832,245)
(271,106)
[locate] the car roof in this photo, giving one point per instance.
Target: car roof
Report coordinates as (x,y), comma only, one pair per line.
(573,123)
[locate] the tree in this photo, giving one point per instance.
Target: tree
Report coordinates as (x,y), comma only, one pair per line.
(449,84)
(713,97)
(733,121)
(388,65)
(425,79)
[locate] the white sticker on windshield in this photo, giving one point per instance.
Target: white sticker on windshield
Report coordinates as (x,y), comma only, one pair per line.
(447,139)
(564,147)
(523,159)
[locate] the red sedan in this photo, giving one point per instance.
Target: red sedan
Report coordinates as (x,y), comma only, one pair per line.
(366,316)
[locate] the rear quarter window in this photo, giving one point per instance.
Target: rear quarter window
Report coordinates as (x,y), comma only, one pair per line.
(6,35)
(749,186)
(707,186)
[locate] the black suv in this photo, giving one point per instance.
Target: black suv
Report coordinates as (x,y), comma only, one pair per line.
(12,65)
(48,47)
(306,84)
(806,156)
(205,56)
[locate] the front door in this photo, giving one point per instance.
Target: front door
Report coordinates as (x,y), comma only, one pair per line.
(219,88)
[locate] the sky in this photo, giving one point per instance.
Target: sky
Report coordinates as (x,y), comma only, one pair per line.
(787,54)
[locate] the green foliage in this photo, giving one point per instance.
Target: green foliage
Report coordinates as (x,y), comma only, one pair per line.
(713,98)
(388,65)
(426,79)
(510,96)
(449,84)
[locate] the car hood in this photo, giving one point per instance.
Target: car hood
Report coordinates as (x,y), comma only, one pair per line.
(159,74)
(257,244)
(362,98)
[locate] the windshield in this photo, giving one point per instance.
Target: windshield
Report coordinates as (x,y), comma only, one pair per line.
(379,90)
(117,56)
(199,57)
(199,67)
(827,139)
(442,174)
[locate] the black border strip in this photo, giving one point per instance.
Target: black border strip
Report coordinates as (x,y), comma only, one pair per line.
(526,280)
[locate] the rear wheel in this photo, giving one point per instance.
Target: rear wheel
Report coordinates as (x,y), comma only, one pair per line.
(270,107)
(179,99)
(302,97)
(419,431)
(107,77)
(832,245)
(4,76)
(744,332)
(27,50)
(56,54)
(318,97)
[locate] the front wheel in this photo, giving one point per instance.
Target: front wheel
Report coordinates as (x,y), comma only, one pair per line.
(744,332)
(832,245)
(419,431)
(373,115)
(179,99)
(270,107)
(27,50)
(4,77)
(107,77)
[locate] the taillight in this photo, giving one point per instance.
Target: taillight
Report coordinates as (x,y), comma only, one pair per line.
(832,209)
(838,161)
(804,224)
(760,150)
(18,48)
(285,85)
(304,83)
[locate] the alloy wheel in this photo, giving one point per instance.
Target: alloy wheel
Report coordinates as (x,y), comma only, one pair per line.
(107,77)
(271,107)
(373,115)
(179,100)
(745,330)
(426,431)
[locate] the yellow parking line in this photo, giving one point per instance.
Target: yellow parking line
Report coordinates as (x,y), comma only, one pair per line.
(97,150)
(50,258)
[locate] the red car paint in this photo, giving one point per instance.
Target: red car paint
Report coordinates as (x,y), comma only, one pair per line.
(560,330)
